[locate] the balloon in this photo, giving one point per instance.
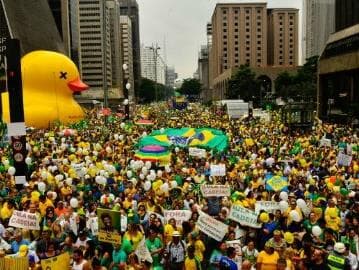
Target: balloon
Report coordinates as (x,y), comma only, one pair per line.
(147,185)
(65,161)
(28,160)
(148,164)
(125,102)
(108,150)
(164,187)
(74,203)
(167,169)
(159,173)
(301,203)
(152,177)
(122,125)
(103,180)
(283,205)
(174,184)
(115,136)
(352,194)
(144,170)
(121,137)
(129,174)
(264,217)
(11,170)
(59,177)
(283,196)
(54,195)
(289,237)
(316,231)
(41,186)
(294,215)
(162,130)
(44,175)
(98,179)
(142,176)
(69,181)
(344,191)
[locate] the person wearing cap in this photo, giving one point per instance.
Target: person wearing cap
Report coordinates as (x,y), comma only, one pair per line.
(336,259)
(267,258)
(25,252)
(176,252)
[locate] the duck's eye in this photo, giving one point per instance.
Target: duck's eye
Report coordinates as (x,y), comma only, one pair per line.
(63,75)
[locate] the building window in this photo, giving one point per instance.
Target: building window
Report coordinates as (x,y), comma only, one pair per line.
(236,11)
(280,57)
(259,17)
(280,63)
(290,51)
(259,54)
(225,67)
(290,29)
(280,29)
(247,54)
(224,11)
(290,46)
(247,42)
(280,23)
(259,30)
(281,46)
(259,60)
(225,30)
(290,40)
(236,42)
(236,17)
(224,36)
(224,18)
(236,30)
(259,36)
(224,24)
(236,49)
(280,34)
(291,17)
(247,30)
(236,36)
(247,11)
(224,55)
(280,51)
(280,40)
(236,61)
(291,34)
(225,49)
(247,36)
(247,49)
(280,17)
(291,57)
(291,63)
(235,24)
(259,23)
(236,54)
(259,42)
(290,23)
(247,24)
(259,48)
(247,17)
(258,11)
(224,43)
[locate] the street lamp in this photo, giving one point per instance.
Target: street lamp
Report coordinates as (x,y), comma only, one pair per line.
(126,88)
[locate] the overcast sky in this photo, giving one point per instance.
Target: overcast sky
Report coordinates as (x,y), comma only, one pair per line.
(181,24)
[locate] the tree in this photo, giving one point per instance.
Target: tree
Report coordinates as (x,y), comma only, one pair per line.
(301,85)
(243,84)
(147,91)
(190,87)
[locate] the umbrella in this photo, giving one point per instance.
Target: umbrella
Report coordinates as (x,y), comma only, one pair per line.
(105,111)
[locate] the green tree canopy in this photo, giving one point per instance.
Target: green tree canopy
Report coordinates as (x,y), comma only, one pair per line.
(243,84)
(190,87)
(147,91)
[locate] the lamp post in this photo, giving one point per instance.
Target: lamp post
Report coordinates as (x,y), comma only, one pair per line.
(126,87)
(155,55)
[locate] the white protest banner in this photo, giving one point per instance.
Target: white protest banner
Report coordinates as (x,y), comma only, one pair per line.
(142,252)
(268,206)
(92,223)
(215,190)
(244,216)
(218,170)
(179,215)
(325,142)
(24,220)
(344,160)
(197,152)
(212,227)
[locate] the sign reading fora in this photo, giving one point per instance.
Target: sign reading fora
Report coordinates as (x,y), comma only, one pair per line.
(2,64)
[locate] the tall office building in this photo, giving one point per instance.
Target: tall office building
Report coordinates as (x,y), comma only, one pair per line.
(130,8)
(66,15)
(283,37)
(346,14)
(152,66)
(127,51)
(203,71)
(171,76)
(239,36)
(318,24)
(95,42)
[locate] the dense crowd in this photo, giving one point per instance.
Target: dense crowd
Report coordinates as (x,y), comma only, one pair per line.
(72,173)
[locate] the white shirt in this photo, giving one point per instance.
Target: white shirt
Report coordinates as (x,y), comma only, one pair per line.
(353,261)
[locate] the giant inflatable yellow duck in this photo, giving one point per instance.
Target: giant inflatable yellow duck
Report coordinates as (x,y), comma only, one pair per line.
(49,79)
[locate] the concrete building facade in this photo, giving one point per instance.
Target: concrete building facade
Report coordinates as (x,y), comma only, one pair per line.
(283,37)
(152,65)
(127,52)
(171,76)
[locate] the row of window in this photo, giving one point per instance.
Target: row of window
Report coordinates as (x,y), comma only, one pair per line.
(236,11)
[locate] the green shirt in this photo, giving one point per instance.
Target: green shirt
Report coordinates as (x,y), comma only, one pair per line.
(118,256)
(154,245)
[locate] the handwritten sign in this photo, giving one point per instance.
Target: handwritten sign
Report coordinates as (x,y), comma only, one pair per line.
(268,206)
(142,252)
(197,152)
(218,170)
(24,220)
(244,216)
(215,190)
(211,227)
(179,215)
(325,142)
(60,262)
(344,160)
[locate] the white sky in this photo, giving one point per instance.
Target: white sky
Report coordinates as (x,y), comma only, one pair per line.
(182,24)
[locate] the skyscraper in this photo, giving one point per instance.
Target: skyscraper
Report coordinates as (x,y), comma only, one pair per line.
(130,8)
(318,24)
(171,76)
(152,65)
(283,37)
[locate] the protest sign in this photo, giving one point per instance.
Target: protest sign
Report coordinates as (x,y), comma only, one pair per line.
(142,252)
(325,142)
(215,190)
(24,220)
(109,226)
(197,152)
(211,227)
(218,170)
(244,216)
(268,206)
(344,160)
(179,215)
(92,223)
(60,262)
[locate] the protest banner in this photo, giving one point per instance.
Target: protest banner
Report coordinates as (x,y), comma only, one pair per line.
(215,190)
(24,220)
(142,252)
(325,142)
(244,216)
(14,263)
(344,160)
(60,262)
(197,152)
(109,226)
(211,227)
(179,215)
(218,170)
(268,206)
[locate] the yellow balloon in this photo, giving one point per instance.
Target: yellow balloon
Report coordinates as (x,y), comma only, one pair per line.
(289,237)
(49,80)
(332,212)
(264,217)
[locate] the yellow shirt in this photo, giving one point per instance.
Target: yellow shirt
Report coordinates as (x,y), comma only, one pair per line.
(190,264)
(268,262)
(199,249)
(332,223)
(134,238)
(5,212)
(43,206)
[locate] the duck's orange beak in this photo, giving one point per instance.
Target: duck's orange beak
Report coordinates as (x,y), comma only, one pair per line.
(77,85)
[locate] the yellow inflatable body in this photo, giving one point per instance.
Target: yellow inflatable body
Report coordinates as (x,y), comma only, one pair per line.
(49,79)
